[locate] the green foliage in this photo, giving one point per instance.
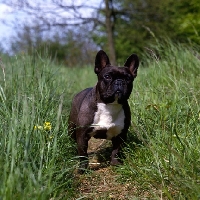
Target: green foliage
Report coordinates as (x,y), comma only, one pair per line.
(140,23)
(71,48)
(135,25)
(186,20)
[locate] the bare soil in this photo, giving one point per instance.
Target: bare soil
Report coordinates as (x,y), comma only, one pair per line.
(102,182)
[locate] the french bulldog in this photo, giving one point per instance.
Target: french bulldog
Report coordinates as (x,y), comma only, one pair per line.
(103,110)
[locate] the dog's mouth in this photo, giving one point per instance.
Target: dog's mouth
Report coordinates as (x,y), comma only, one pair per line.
(114,95)
(118,94)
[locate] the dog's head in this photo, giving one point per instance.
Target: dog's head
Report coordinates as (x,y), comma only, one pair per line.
(115,83)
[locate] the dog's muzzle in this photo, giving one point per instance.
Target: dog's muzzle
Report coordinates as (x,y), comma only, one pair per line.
(119,86)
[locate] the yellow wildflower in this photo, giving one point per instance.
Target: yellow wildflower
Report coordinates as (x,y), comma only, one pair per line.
(51,137)
(47,126)
(38,127)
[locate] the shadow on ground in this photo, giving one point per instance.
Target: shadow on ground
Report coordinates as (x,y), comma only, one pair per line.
(99,152)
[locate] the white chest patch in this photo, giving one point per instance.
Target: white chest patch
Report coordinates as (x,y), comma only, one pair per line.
(109,117)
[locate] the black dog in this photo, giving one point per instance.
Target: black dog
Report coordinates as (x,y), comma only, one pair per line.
(103,111)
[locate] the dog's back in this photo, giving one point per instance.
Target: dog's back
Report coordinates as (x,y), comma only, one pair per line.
(78,106)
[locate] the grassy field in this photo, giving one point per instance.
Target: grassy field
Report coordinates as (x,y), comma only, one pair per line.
(38,159)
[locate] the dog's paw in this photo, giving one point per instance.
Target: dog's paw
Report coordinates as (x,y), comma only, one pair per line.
(115,161)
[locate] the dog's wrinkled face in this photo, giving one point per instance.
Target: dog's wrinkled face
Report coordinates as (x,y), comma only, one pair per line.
(115,84)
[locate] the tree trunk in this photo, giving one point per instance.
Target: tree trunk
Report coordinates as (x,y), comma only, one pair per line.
(110,31)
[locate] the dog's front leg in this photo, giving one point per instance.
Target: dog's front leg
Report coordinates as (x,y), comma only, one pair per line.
(117,145)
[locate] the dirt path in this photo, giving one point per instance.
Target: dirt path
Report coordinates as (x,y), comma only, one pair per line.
(102,182)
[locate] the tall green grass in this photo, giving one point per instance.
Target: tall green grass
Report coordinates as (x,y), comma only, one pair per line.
(164,161)
(37,159)
(36,154)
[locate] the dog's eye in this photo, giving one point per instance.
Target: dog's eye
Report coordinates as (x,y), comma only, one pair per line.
(107,77)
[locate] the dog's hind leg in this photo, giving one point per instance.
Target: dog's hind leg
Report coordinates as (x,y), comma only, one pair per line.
(82,143)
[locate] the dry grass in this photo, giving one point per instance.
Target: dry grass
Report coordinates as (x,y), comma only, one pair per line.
(102,182)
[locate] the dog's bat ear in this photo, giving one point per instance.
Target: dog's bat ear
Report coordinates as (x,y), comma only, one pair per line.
(132,63)
(101,61)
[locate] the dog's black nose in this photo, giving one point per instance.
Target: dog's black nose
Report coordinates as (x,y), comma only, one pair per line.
(119,82)
(119,85)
